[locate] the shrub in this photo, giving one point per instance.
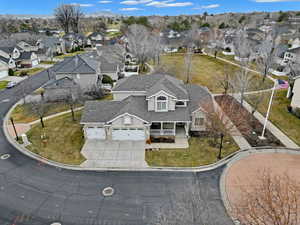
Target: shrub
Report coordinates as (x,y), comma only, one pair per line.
(11,72)
(296,111)
(23,73)
(107,80)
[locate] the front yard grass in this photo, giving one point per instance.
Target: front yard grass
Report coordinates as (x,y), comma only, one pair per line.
(285,121)
(200,152)
(204,70)
(3,84)
(29,72)
(23,114)
(62,142)
(48,62)
(69,55)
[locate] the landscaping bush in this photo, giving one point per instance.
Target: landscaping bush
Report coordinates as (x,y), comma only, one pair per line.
(11,72)
(23,73)
(296,112)
(107,80)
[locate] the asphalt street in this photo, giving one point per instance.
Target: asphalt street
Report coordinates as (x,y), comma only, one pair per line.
(35,194)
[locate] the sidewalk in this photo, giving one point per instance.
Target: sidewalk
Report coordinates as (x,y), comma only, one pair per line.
(271,127)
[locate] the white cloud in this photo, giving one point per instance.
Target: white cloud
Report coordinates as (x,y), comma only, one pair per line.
(82,5)
(130,9)
(134,2)
(105,2)
(169,3)
(212,6)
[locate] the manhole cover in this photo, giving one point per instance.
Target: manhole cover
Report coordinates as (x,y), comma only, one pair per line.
(56,223)
(5,156)
(107,192)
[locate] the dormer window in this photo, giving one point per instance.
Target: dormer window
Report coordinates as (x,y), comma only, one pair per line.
(161,104)
(180,104)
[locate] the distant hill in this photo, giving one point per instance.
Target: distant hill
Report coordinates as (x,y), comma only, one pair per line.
(36,16)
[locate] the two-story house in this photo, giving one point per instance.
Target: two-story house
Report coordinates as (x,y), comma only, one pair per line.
(292,55)
(151,107)
(9,56)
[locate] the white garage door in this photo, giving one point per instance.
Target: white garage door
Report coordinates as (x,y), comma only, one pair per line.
(3,73)
(95,133)
(35,62)
(128,134)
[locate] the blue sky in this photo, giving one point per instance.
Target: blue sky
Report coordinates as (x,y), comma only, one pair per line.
(150,7)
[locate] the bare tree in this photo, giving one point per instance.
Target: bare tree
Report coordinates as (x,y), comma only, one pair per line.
(73,97)
(273,200)
(217,122)
(188,64)
(64,16)
(242,47)
(39,108)
(256,100)
(241,82)
(267,52)
(76,16)
(140,43)
(223,79)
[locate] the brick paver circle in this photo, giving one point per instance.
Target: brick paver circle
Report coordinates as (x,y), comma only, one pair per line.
(244,173)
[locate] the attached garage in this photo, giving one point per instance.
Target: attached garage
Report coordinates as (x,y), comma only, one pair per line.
(95,133)
(3,73)
(131,134)
(35,62)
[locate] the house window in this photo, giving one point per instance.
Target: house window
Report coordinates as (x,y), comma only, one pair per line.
(161,103)
(199,122)
(127,120)
(180,104)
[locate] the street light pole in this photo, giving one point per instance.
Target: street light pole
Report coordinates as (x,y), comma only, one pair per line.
(268,112)
(15,130)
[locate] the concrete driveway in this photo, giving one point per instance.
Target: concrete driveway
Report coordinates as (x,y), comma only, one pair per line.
(103,153)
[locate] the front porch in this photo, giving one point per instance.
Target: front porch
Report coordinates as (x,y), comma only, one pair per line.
(165,135)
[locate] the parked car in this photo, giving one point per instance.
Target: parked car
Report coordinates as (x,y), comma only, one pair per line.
(11,84)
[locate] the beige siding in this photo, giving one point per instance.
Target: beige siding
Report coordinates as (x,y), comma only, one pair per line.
(85,81)
(171,104)
(197,114)
(120,96)
(296,94)
(135,123)
(151,104)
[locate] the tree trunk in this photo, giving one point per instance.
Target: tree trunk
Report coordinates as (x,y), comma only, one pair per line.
(221,146)
(42,122)
(72,111)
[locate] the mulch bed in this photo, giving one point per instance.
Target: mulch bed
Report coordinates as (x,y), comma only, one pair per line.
(246,123)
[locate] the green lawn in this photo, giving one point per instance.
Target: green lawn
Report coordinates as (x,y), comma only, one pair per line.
(69,55)
(48,62)
(201,152)
(62,142)
(29,72)
(23,114)
(287,122)
(204,70)
(3,84)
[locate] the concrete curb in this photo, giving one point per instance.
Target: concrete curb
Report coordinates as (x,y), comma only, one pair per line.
(39,158)
(242,155)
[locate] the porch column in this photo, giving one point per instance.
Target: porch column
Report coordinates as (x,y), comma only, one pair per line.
(187,128)
(174,128)
(161,128)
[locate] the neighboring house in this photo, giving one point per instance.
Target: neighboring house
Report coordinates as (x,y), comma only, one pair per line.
(76,40)
(9,55)
(3,69)
(96,39)
(51,45)
(27,60)
(82,69)
(292,55)
(57,90)
(24,46)
(155,107)
(294,93)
